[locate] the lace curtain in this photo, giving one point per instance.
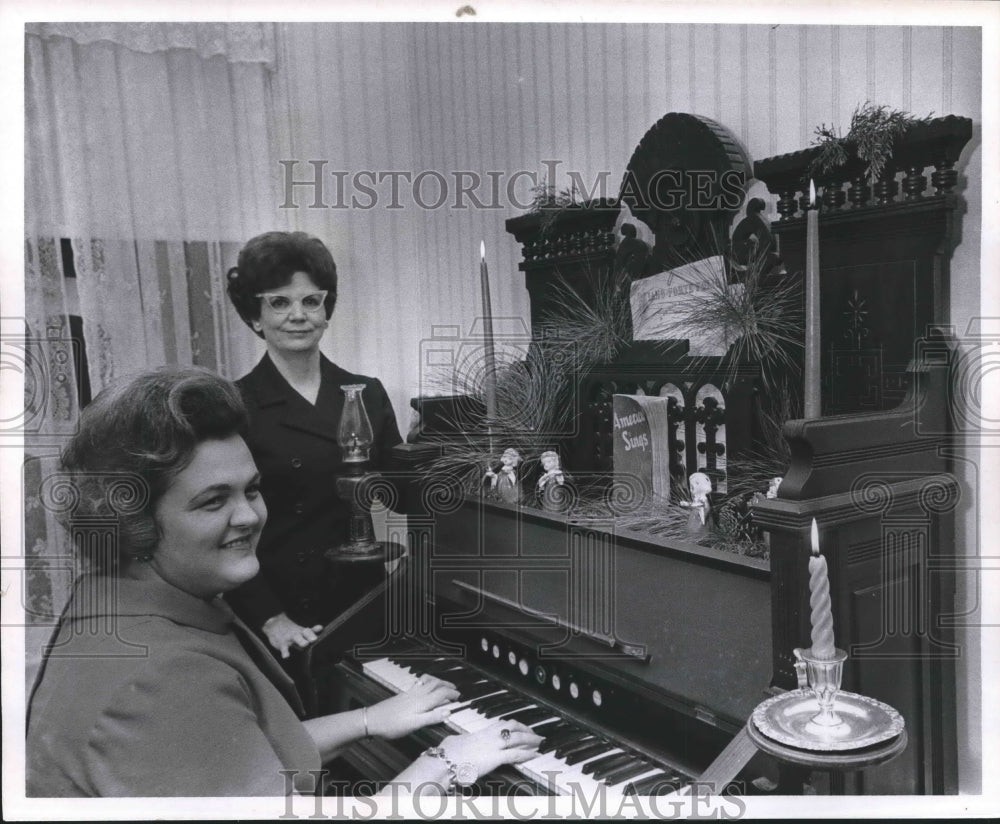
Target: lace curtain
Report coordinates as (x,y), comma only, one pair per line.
(146,167)
(235,42)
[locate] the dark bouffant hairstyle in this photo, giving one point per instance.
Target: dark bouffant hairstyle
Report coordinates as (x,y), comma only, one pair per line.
(134,438)
(268,261)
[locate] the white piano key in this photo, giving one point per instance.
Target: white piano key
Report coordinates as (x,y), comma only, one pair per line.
(389,675)
(468,720)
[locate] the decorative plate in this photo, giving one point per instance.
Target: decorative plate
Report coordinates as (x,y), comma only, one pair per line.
(787,719)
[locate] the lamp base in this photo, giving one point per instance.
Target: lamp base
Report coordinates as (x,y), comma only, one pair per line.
(362,553)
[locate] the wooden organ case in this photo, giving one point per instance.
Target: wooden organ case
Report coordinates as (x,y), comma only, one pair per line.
(661,648)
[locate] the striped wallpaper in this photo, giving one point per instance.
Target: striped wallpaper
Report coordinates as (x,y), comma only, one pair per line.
(441,99)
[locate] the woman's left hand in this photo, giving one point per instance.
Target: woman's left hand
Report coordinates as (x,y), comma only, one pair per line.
(420,706)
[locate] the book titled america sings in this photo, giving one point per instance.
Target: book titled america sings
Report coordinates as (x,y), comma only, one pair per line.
(641,442)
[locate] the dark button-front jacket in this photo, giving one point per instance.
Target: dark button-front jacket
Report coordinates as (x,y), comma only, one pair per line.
(295,446)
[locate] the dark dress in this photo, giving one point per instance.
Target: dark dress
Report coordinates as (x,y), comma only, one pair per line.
(295,446)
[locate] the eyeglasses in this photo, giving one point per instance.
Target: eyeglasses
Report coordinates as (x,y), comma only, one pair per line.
(283,304)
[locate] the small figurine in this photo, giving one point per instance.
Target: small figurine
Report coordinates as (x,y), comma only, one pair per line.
(550,484)
(701,487)
(772,489)
(505,482)
(491,478)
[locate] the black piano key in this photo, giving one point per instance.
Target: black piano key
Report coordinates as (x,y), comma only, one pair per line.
(413,666)
(480,690)
(574,745)
(558,738)
(615,763)
(427,666)
(536,725)
(624,773)
(553,726)
(517,702)
(553,733)
(496,696)
(527,716)
(662,784)
(597,763)
(463,680)
(583,753)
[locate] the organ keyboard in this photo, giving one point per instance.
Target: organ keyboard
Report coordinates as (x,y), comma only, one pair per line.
(571,759)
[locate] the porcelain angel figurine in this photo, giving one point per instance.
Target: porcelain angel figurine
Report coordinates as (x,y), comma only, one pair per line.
(551,484)
(698,520)
(490,481)
(505,483)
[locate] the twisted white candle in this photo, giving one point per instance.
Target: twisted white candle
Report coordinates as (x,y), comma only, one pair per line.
(821,614)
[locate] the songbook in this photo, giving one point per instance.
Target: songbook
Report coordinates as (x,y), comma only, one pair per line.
(642,441)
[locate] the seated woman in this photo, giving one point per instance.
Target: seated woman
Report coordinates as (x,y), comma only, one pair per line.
(284,287)
(151,686)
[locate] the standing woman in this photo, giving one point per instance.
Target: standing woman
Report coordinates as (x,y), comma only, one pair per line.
(284,287)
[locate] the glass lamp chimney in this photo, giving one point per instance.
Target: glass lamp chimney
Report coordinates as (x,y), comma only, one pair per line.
(354,434)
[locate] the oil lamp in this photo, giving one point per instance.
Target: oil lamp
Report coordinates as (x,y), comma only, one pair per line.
(355,484)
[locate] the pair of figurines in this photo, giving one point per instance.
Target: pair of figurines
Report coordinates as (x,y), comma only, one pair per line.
(503,481)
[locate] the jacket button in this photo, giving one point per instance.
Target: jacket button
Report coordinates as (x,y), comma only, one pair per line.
(299,509)
(302,557)
(296,463)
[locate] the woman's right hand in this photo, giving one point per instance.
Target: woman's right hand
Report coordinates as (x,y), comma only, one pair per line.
(283,633)
(506,742)
(423,704)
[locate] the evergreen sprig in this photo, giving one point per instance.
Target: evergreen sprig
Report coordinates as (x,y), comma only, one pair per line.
(872,136)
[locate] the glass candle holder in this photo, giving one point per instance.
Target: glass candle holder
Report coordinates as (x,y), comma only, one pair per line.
(823,676)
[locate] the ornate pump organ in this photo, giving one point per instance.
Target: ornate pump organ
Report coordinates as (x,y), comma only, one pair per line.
(647,652)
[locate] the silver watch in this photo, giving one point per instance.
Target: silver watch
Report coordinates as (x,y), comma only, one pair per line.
(463,773)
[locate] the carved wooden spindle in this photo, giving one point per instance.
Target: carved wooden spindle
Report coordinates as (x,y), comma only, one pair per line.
(804,201)
(944,177)
(834,195)
(914,183)
(828,200)
(886,188)
(786,205)
(602,409)
(860,192)
(712,417)
(677,436)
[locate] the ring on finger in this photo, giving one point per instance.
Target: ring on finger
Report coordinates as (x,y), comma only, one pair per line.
(505,735)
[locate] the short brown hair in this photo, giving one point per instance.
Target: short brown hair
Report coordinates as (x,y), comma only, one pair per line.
(134,438)
(268,261)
